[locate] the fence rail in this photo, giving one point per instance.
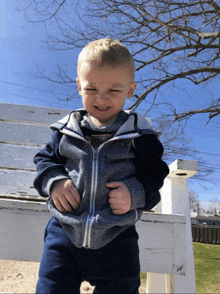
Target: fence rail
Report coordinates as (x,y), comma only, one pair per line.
(209,235)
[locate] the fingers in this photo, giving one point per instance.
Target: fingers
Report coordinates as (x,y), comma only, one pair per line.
(65,196)
(118,206)
(115,185)
(116,209)
(62,204)
(119,198)
(73,197)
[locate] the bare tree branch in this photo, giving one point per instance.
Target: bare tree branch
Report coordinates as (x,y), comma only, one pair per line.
(42,9)
(171,41)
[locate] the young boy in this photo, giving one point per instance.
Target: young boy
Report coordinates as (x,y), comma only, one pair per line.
(102,168)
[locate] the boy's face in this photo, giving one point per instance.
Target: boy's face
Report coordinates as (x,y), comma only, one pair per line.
(104,90)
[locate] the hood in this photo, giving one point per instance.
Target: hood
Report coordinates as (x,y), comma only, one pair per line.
(136,123)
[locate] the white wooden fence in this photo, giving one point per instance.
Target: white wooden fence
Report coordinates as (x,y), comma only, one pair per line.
(165,242)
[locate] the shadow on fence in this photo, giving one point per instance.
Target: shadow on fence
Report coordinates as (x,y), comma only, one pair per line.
(209,235)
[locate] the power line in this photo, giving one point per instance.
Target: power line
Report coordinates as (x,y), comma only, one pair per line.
(205,122)
(209,166)
(196,151)
(204,130)
(26,97)
(38,89)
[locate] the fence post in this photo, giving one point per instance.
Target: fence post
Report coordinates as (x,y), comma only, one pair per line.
(175,200)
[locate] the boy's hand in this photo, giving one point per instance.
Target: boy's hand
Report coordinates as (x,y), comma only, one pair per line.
(120,197)
(65,196)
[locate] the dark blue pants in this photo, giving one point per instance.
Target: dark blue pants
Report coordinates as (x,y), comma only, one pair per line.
(114,268)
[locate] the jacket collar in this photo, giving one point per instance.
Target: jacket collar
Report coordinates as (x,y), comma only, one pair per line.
(135,125)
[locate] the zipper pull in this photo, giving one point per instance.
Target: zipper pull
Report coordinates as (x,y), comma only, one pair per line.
(95,154)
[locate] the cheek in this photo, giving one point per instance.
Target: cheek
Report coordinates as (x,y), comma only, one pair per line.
(120,102)
(85,99)
(85,102)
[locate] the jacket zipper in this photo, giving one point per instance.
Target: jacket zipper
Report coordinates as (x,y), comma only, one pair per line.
(90,217)
(89,220)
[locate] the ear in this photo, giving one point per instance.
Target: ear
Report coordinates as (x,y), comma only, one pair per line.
(79,86)
(131,89)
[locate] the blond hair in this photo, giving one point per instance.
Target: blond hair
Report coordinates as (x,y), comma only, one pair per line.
(106,52)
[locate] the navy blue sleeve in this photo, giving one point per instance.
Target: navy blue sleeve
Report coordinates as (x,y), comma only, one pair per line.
(49,163)
(151,170)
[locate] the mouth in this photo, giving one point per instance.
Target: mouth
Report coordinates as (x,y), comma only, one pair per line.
(102,108)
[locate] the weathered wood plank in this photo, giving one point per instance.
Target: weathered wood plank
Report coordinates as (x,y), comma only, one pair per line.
(33,114)
(33,135)
(17,156)
(165,218)
(157,235)
(179,247)
(22,203)
(17,182)
(152,249)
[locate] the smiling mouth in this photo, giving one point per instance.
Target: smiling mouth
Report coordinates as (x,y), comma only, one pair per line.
(102,108)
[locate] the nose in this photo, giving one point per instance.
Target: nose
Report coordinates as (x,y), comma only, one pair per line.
(101,96)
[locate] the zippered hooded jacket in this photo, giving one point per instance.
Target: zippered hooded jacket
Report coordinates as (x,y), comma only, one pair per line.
(132,156)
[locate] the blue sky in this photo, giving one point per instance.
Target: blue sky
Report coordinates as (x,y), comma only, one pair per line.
(21,49)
